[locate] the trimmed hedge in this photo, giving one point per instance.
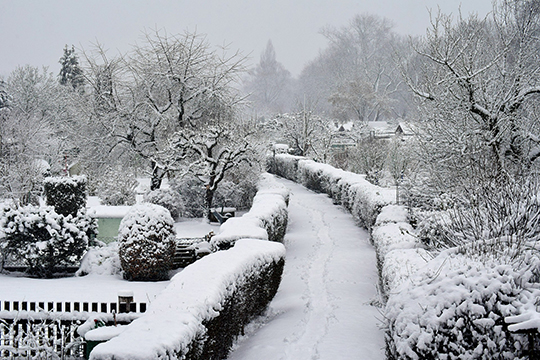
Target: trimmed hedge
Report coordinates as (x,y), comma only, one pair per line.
(361,198)
(204,308)
(266,220)
(66,194)
(146,239)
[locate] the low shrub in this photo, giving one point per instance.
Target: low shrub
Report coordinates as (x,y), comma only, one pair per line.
(46,242)
(456,310)
(146,240)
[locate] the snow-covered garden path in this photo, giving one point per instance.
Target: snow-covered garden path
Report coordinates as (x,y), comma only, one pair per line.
(323,308)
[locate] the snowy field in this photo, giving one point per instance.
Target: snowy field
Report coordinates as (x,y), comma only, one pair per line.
(323,308)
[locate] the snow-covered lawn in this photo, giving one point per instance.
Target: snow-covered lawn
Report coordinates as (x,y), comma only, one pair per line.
(323,308)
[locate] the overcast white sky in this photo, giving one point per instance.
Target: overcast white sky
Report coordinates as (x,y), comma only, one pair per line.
(35,31)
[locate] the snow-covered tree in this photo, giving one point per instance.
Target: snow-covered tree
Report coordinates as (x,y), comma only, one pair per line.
(166,84)
(269,84)
(27,137)
(478,82)
(355,78)
(70,72)
(212,154)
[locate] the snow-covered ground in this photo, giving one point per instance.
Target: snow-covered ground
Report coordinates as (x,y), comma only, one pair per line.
(324,306)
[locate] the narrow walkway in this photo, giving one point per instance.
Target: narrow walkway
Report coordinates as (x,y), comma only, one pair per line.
(323,309)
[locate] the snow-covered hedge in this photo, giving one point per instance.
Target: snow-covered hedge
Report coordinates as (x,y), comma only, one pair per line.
(44,240)
(363,199)
(66,194)
(455,309)
(204,307)
(147,242)
(399,252)
(266,220)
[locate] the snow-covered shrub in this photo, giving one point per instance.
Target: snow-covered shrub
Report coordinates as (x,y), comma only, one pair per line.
(44,240)
(204,308)
(169,199)
(267,219)
(455,309)
(101,260)
(284,165)
(66,194)
(146,240)
(398,250)
(117,188)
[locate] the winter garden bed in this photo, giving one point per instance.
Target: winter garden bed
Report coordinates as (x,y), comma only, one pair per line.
(438,306)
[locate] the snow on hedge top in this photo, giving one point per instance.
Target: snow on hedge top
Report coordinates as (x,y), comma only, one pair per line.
(377,194)
(65,180)
(269,201)
(144,220)
(392,213)
(196,294)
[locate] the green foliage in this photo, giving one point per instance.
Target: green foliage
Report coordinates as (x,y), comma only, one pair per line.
(66,194)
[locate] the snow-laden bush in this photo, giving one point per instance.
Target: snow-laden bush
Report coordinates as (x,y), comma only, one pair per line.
(398,250)
(266,220)
(363,199)
(455,309)
(146,240)
(44,240)
(204,307)
(66,194)
(101,260)
(169,199)
(117,188)
(283,165)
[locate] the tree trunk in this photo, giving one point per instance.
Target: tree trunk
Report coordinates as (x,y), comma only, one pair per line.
(157,177)
(208,199)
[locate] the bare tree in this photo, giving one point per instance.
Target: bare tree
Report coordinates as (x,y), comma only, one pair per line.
(477,81)
(355,78)
(165,85)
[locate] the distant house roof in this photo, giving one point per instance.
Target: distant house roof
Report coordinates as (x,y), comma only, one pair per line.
(380,129)
(405,128)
